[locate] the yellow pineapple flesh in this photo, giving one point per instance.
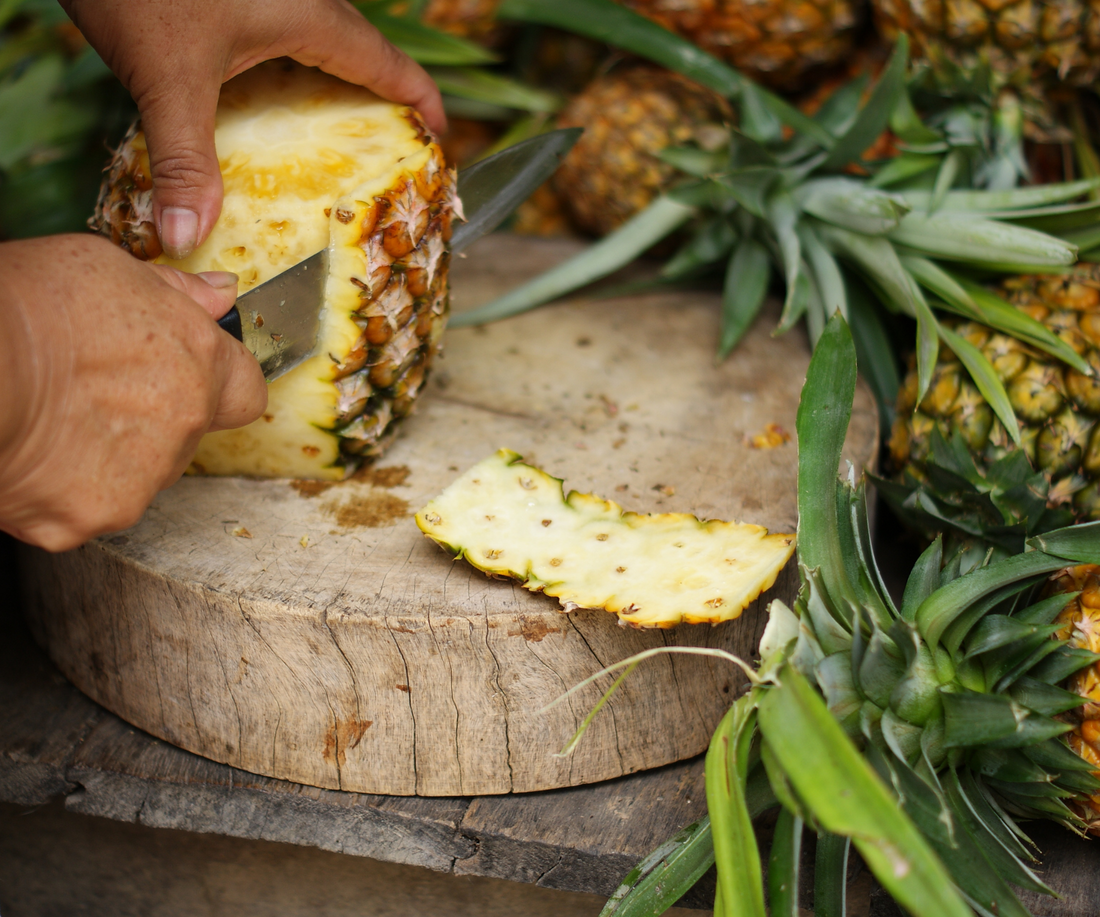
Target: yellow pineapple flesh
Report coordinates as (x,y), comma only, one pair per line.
(310,162)
(511,519)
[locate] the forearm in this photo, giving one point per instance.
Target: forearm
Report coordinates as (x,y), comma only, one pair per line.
(21,368)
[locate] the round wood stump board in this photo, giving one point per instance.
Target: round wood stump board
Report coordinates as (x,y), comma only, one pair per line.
(309,632)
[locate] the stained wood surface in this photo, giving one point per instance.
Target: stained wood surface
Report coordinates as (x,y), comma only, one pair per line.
(309,632)
(55,742)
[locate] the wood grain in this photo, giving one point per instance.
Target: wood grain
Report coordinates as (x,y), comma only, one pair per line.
(308,632)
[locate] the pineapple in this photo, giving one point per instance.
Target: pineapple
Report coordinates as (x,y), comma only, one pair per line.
(1057,407)
(508,518)
(309,161)
(776,42)
(629,116)
(1017,40)
(1080,624)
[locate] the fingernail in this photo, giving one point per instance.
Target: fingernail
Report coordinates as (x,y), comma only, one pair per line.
(179,231)
(219,280)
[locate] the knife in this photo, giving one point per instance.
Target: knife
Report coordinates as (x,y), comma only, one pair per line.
(278,320)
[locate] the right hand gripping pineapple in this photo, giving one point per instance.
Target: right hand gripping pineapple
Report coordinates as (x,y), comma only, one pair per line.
(308,161)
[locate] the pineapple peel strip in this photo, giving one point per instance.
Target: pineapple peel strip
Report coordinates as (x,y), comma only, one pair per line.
(511,519)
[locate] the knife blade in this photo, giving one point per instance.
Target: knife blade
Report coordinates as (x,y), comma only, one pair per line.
(278,320)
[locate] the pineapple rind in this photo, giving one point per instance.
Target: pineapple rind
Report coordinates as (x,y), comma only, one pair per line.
(508,518)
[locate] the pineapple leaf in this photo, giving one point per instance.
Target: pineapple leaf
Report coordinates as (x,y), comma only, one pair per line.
(735,852)
(1059,665)
(826,273)
(1044,698)
(1045,610)
(822,422)
(693,160)
(1004,862)
(483,85)
(663,877)
(986,378)
(783,863)
(711,240)
(838,112)
(994,721)
(1079,543)
(743,294)
(923,580)
(849,799)
(903,167)
(597,261)
(876,354)
(852,205)
(620,27)
(991,203)
(934,278)
(979,241)
(782,215)
(996,631)
(424,44)
(945,178)
(951,601)
(875,115)
(991,816)
(749,186)
(831,875)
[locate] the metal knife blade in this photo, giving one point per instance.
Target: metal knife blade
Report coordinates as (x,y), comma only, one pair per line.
(278,320)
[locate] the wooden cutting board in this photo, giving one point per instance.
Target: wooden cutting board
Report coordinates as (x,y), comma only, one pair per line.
(309,631)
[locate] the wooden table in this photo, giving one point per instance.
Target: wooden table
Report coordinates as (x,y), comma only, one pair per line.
(55,742)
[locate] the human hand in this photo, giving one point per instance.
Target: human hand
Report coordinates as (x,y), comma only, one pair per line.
(174,57)
(111,370)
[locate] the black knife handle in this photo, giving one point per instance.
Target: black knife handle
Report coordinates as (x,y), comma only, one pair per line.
(231,322)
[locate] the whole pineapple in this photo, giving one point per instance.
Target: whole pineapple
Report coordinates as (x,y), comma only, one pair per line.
(776,41)
(1058,408)
(307,162)
(629,116)
(1018,40)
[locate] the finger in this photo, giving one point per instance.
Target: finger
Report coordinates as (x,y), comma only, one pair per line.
(243,396)
(340,41)
(215,291)
(187,183)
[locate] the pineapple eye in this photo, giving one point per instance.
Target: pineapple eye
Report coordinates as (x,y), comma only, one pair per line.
(555,561)
(546,521)
(493,553)
(490,518)
(715,603)
(433,518)
(526,483)
(602,537)
(620,569)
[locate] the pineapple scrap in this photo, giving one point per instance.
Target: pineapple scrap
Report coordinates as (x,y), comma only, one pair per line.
(508,518)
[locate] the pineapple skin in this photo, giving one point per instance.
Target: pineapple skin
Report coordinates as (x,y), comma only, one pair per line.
(308,161)
(1080,621)
(1019,39)
(510,519)
(775,41)
(629,116)
(1058,408)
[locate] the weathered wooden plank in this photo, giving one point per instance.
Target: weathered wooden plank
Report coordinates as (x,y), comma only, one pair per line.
(309,632)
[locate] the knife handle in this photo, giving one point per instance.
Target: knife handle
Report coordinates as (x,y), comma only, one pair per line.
(231,322)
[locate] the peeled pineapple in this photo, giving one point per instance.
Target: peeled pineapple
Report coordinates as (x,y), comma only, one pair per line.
(511,519)
(309,161)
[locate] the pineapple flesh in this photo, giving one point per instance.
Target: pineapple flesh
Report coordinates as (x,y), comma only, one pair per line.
(307,162)
(510,519)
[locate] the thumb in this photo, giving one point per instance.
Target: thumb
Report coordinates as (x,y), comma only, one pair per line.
(187,183)
(215,291)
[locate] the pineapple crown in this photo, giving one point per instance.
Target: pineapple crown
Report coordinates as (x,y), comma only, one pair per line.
(954,695)
(919,733)
(791,194)
(998,508)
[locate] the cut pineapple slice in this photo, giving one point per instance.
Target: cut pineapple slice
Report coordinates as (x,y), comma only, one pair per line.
(511,519)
